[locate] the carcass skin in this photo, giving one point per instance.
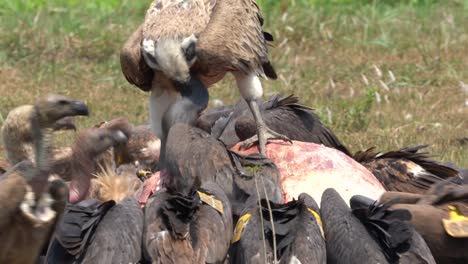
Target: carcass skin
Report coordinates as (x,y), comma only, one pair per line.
(304,167)
(312,168)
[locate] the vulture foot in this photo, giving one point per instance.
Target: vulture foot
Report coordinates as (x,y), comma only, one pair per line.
(261,138)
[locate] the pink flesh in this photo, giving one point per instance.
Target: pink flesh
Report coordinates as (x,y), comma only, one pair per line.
(150,186)
(78,190)
(312,168)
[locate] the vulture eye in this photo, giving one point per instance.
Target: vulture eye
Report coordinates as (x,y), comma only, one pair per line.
(189,52)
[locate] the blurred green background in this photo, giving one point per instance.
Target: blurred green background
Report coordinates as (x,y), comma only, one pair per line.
(388,73)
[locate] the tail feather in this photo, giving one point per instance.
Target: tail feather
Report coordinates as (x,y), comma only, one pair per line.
(389,227)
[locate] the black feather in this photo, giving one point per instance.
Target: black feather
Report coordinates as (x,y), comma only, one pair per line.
(285,219)
(390,228)
(178,211)
(75,230)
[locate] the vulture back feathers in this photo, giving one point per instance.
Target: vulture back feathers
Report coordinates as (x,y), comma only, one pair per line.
(192,228)
(405,170)
(283,114)
(390,228)
(296,228)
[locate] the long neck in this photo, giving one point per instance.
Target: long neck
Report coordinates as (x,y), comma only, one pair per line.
(185,110)
(83,168)
(41,140)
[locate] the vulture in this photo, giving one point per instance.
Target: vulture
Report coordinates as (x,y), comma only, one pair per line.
(377,216)
(188,228)
(440,216)
(17,137)
(30,204)
(232,124)
(189,219)
(88,146)
(295,232)
(405,170)
(107,227)
(369,233)
(185,146)
(203,39)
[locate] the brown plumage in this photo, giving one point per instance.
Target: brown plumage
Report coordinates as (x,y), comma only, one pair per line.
(405,170)
(18,142)
(428,211)
(186,168)
(89,145)
(107,229)
(28,207)
(181,229)
(142,149)
(201,39)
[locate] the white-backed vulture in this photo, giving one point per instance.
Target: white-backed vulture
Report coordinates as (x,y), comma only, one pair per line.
(204,39)
(27,206)
(17,138)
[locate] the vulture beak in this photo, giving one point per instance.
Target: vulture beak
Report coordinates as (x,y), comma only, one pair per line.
(182,87)
(79,108)
(66,123)
(119,137)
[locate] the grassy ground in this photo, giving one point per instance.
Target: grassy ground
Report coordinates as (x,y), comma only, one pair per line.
(380,73)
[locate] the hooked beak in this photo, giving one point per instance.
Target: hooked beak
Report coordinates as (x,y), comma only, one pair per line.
(79,108)
(119,137)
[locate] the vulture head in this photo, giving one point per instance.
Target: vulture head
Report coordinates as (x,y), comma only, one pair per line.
(53,108)
(97,140)
(173,57)
(88,146)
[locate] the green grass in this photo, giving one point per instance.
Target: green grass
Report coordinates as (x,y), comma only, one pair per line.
(338,56)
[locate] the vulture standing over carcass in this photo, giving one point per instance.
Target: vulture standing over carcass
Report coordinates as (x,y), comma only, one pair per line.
(295,231)
(17,137)
(405,170)
(104,226)
(27,213)
(189,219)
(185,146)
(441,217)
(203,39)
